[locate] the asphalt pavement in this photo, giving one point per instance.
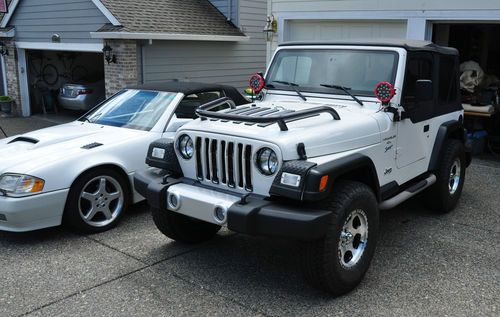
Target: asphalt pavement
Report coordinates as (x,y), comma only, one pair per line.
(425,265)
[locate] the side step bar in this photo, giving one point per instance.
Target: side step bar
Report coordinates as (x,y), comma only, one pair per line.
(408,193)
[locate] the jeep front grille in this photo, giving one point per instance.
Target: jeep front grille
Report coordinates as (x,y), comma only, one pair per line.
(224,162)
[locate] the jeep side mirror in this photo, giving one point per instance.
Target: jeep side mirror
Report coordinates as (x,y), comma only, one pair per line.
(424,90)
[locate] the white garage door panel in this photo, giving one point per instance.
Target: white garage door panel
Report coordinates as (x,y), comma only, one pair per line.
(344,30)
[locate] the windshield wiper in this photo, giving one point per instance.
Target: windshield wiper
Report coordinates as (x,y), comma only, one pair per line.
(345,89)
(294,87)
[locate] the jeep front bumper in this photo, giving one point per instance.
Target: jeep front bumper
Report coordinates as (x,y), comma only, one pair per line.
(252,215)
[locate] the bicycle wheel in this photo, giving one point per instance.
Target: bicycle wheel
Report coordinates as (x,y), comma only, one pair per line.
(50,75)
(79,73)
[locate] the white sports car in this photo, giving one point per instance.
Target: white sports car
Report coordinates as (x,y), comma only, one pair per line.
(81,173)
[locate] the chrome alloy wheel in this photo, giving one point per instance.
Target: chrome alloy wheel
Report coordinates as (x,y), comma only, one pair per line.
(101,201)
(455,172)
(353,238)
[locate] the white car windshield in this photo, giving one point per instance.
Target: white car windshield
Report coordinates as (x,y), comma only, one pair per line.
(132,109)
(308,69)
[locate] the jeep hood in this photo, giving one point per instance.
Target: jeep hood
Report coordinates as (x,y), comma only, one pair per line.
(320,134)
(24,153)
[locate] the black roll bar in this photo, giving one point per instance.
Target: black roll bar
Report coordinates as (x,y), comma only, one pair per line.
(204,112)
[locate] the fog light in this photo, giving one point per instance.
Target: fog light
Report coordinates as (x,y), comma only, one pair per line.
(290,179)
(173,201)
(220,214)
(158,153)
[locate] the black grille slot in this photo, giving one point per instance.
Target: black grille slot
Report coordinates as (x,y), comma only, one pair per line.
(240,165)
(213,160)
(223,161)
(248,168)
(230,165)
(207,157)
(199,163)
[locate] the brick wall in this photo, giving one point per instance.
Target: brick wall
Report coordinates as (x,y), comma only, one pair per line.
(124,72)
(12,76)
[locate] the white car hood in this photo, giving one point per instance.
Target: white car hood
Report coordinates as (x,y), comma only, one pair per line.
(321,134)
(26,152)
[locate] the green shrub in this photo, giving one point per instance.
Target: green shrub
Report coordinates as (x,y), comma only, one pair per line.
(5,99)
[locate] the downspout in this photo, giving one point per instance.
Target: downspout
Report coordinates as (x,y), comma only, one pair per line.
(142,63)
(229,10)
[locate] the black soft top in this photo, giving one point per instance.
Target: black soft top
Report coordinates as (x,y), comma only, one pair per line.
(409,45)
(188,88)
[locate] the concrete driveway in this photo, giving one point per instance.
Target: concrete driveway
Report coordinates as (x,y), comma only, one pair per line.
(425,264)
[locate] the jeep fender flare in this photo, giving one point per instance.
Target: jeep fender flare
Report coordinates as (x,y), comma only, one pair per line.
(357,167)
(450,129)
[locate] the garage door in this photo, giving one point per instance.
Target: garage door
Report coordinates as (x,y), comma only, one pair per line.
(344,30)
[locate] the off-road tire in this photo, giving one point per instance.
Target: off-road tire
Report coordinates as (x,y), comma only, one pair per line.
(320,263)
(72,217)
(439,198)
(182,228)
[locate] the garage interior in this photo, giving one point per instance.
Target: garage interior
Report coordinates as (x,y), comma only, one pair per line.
(479,49)
(49,71)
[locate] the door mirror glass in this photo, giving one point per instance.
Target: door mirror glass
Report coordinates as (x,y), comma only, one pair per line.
(424,90)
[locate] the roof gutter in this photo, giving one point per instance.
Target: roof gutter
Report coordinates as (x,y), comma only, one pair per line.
(168,36)
(8,33)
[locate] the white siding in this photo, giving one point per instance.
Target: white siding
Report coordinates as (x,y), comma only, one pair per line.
(73,20)
(215,62)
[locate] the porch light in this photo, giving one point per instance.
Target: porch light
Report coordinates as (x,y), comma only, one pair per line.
(271,28)
(108,55)
(3,49)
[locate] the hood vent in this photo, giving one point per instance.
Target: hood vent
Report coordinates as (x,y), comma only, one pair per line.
(24,139)
(91,146)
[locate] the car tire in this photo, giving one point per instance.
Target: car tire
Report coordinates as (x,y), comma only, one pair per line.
(182,228)
(338,262)
(97,201)
(443,196)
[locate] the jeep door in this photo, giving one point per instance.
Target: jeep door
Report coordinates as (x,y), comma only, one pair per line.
(414,127)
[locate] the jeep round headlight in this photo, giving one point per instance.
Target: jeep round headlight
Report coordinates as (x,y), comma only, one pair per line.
(18,184)
(185,146)
(267,161)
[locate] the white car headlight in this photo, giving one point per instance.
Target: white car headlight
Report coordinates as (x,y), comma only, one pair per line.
(19,184)
(267,161)
(185,146)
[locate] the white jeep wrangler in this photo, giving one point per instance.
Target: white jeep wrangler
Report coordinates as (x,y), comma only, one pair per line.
(338,132)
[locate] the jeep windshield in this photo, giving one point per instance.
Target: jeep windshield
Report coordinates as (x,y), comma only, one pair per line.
(358,70)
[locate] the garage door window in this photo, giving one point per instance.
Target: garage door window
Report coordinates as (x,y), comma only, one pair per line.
(359,70)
